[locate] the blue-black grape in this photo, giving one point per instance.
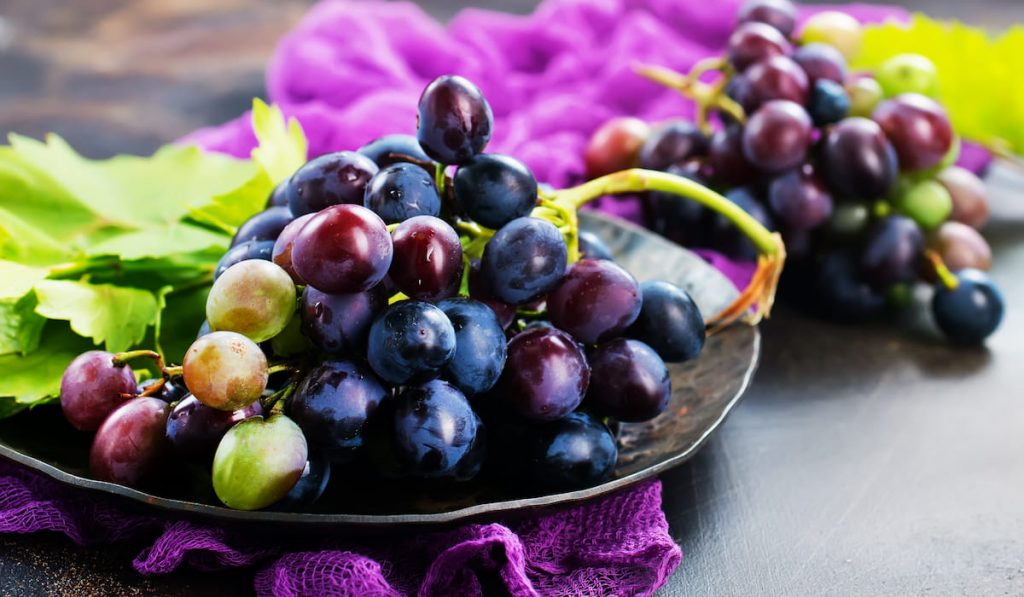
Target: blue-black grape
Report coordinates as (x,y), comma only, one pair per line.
(596,300)
(729,240)
(455,121)
(669,322)
(331,179)
(436,432)
(311,485)
(194,429)
(495,189)
(410,342)
(480,346)
(593,247)
(628,381)
(340,323)
(253,249)
(680,220)
(169,391)
(671,144)
(892,252)
(829,102)
(970,312)
(279,196)
(841,293)
(402,191)
(394,149)
(546,374)
(525,259)
(266,225)
(821,62)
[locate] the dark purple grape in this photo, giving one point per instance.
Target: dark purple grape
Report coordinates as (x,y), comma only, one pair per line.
(281,253)
(673,143)
(970,202)
(593,247)
(669,322)
(858,161)
(777,136)
(410,342)
(615,146)
(455,120)
(597,300)
(343,249)
(266,225)
(799,199)
(194,429)
(740,91)
(777,78)
(729,240)
(428,259)
(333,404)
(841,293)
(130,445)
(253,249)
(495,189)
(311,485)
(436,432)
(918,128)
(402,191)
(780,14)
(279,196)
(892,252)
(970,312)
(169,391)
(480,346)
(821,61)
(524,260)
(628,381)
(680,220)
(481,291)
(394,149)
(340,323)
(725,157)
(546,374)
(829,102)
(753,42)
(92,387)
(331,179)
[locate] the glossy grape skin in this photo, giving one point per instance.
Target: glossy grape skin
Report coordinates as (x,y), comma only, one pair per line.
(194,429)
(480,290)
(669,322)
(455,121)
(729,240)
(961,247)
(777,136)
(92,387)
(546,374)
(829,102)
(410,342)
(253,249)
(480,346)
(225,370)
(291,342)
(777,78)
(402,191)
(596,300)
(841,293)
(970,202)
(628,381)
(279,196)
(892,252)
(495,189)
(427,262)
(858,161)
(615,146)
(343,249)
(524,260)
(340,323)
(312,484)
(130,445)
(725,156)
(593,247)
(435,431)
(394,149)
(254,298)
(780,14)
(799,199)
(865,94)
(333,404)
(266,225)
(672,144)
(918,129)
(169,391)
(753,42)
(970,313)
(836,29)
(928,203)
(908,73)
(281,250)
(258,462)
(821,61)
(331,179)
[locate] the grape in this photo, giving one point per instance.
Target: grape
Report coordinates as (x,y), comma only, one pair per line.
(918,129)
(332,405)
(848,222)
(481,291)
(194,429)
(799,199)
(254,298)
(892,252)
(340,323)
(672,144)
(253,249)
(681,221)
(266,225)
(279,196)
(331,179)
(821,61)
(455,121)
(169,391)
(839,291)
(427,262)
(596,300)
(436,432)
(669,322)
(725,156)
(495,189)
(225,370)
(777,78)
(629,381)
(829,102)
(777,136)
(545,376)
(908,73)
(865,94)
(343,249)
(480,346)
(928,203)
(740,91)
(970,204)
(394,149)
(410,342)
(525,259)
(857,160)
(729,240)
(311,485)
(130,445)
(615,146)
(92,386)
(401,191)
(780,14)
(593,247)
(753,42)
(204,330)
(962,247)
(836,29)
(291,342)
(972,311)
(258,462)
(281,253)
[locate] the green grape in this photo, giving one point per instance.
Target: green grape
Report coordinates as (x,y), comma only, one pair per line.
(848,220)
(290,342)
(908,73)
(928,203)
(258,462)
(899,296)
(865,93)
(225,370)
(255,298)
(836,29)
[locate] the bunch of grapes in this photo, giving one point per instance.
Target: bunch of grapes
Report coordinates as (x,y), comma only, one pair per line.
(855,170)
(381,314)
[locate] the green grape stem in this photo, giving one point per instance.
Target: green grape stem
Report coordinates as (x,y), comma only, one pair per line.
(707,96)
(121,359)
(947,278)
(280,397)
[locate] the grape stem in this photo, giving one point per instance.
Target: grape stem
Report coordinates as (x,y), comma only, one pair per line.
(440,178)
(280,396)
(121,359)
(946,277)
(707,96)
(172,372)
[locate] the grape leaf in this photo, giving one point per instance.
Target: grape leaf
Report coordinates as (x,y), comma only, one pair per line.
(116,316)
(36,376)
(20,326)
(283,147)
(17,279)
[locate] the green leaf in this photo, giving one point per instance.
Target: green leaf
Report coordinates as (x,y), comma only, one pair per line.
(20,326)
(17,279)
(228,212)
(36,376)
(283,147)
(185,312)
(113,315)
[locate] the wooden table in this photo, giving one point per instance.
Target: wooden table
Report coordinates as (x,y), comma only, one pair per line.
(864,460)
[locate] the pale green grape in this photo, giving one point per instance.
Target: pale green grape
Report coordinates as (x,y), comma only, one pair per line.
(255,298)
(225,370)
(258,462)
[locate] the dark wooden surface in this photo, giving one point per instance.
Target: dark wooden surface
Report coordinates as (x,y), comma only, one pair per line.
(864,460)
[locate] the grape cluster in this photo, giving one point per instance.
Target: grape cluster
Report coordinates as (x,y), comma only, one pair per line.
(382,314)
(855,169)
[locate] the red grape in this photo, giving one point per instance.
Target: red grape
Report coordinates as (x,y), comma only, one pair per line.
(753,42)
(962,247)
(780,14)
(892,252)
(427,262)
(455,120)
(615,146)
(596,300)
(343,249)
(629,381)
(777,78)
(918,128)
(821,61)
(339,323)
(282,253)
(858,160)
(131,443)
(799,199)
(546,374)
(777,136)
(673,144)
(970,202)
(725,156)
(92,387)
